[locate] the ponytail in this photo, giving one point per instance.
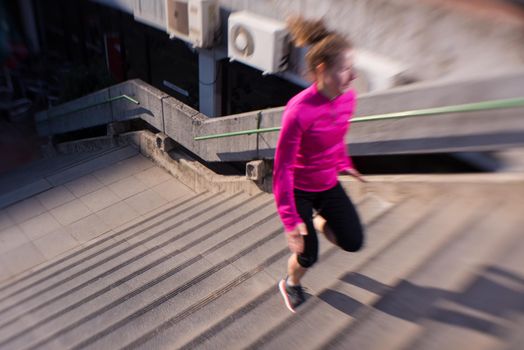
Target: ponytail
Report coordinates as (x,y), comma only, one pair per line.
(306,32)
(325,45)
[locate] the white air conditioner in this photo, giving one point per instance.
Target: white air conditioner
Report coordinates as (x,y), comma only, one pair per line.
(258,41)
(195,21)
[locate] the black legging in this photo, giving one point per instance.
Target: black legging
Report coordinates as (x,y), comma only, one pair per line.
(341,216)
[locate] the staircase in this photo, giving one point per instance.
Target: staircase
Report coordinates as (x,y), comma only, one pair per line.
(442,267)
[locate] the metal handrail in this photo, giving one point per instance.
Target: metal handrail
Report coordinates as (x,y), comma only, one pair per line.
(97,104)
(469,107)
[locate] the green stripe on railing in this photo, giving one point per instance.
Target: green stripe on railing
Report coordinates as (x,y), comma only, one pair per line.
(83,108)
(469,107)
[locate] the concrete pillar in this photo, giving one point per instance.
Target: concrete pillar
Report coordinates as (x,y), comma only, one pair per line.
(29,23)
(164,143)
(256,170)
(210,95)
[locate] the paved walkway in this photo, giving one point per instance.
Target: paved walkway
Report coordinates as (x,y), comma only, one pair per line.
(63,218)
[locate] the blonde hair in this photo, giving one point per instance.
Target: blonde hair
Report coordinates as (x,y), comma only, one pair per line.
(326,45)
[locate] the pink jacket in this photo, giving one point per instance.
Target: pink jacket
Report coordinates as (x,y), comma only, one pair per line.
(310,150)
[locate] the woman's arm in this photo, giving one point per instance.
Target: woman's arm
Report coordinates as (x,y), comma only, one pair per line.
(345,164)
(344,161)
(283,183)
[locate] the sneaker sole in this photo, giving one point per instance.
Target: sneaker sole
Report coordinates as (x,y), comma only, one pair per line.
(282,288)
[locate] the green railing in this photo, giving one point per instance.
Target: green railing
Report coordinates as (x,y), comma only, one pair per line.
(83,108)
(470,107)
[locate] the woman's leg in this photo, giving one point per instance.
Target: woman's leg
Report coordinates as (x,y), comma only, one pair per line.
(342,220)
(295,272)
(299,263)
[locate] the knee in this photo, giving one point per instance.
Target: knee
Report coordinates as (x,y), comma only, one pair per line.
(306,260)
(355,243)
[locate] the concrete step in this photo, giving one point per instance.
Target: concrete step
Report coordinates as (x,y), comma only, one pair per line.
(190,322)
(100,249)
(48,173)
(204,287)
(232,315)
(31,279)
(278,320)
(151,288)
(393,265)
(223,308)
(201,272)
(212,253)
(114,258)
(448,301)
(132,280)
(50,302)
(335,307)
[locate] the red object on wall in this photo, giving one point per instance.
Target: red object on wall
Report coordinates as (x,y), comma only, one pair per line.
(114,59)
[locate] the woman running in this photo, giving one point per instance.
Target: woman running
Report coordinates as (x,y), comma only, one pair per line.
(311,153)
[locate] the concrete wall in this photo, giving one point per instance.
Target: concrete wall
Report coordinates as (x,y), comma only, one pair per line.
(442,93)
(432,39)
(150,108)
(486,130)
(63,118)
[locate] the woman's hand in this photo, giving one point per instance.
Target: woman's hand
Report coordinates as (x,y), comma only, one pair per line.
(354,172)
(295,240)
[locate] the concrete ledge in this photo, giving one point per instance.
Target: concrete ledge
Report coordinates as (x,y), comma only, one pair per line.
(62,119)
(191,172)
(389,187)
(150,108)
(442,133)
(481,178)
(440,93)
(246,147)
(396,187)
(453,132)
(182,123)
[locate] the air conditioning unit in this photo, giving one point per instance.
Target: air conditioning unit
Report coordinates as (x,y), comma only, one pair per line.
(195,21)
(257,41)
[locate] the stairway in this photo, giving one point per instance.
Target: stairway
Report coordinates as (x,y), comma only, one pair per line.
(440,269)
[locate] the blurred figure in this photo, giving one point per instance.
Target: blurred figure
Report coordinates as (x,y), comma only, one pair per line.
(311,153)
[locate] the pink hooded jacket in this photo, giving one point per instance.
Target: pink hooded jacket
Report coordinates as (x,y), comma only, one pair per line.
(310,150)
